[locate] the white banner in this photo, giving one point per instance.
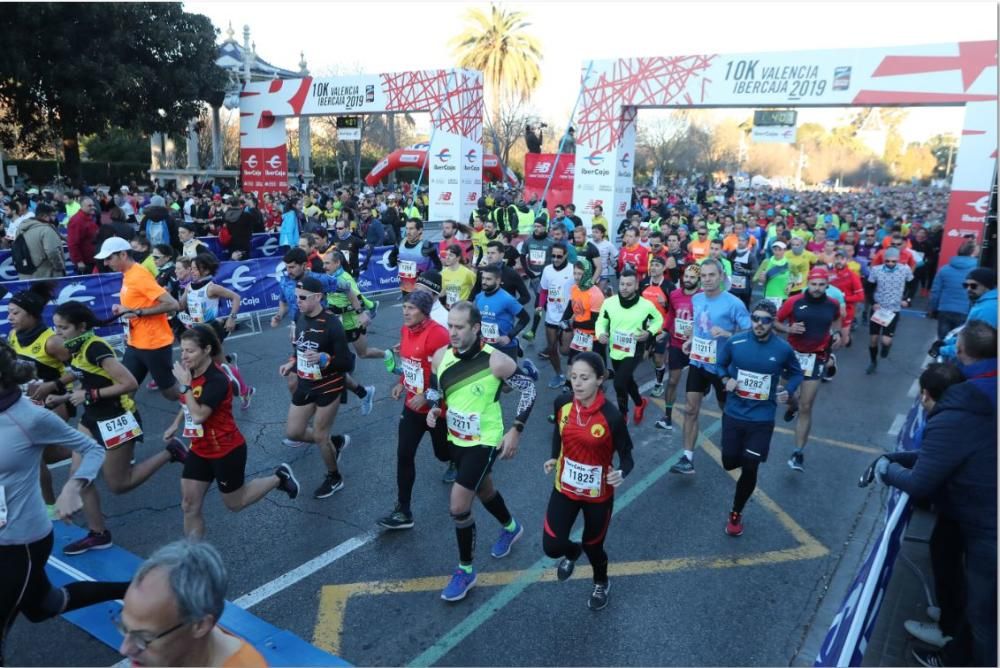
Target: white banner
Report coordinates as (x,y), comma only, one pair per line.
(773,134)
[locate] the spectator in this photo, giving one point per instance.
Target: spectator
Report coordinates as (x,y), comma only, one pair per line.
(142,253)
(949,302)
(957,466)
(981,286)
(81,237)
(156,224)
(289,234)
(182,586)
(239,228)
(20,212)
(190,245)
(43,244)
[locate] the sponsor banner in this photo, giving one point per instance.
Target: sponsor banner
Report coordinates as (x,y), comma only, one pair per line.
(8,273)
(362,93)
(264,170)
(966,216)
(773,134)
(538,167)
(98,291)
(378,276)
(444,175)
(471,177)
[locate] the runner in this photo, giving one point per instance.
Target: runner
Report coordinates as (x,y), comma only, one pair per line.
(889,279)
(744,263)
(555,288)
(355,322)
(609,255)
(581,313)
(510,280)
(536,253)
(499,311)
(200,305)
(218,450)
(321,359)
(26,536)
(588,432)
(849,283)
(800,261)
(633,255)
(456,279)
(678,325)
(753,363)
(420,339)
(628,321)
(110,416)
(470,375)
(657,288)
(813,330)
(413,256)
(717,315)
(143,310)
(773,274)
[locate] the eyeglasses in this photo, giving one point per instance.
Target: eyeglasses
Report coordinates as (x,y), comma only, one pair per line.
(142,643)
(558,257)
(970,286)
(762,319)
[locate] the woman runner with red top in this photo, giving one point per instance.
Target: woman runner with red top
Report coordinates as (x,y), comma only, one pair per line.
(589,430)
(218,450)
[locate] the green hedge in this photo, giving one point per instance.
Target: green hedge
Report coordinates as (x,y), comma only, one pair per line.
(42,172)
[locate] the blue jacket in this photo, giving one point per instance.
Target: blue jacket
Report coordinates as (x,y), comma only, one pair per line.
(985,309)
(289,231)
(947,293)
(743,351)
(957,461)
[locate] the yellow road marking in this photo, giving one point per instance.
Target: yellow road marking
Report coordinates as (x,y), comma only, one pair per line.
(334,598)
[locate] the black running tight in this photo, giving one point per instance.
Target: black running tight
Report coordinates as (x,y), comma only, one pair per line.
(559,519)
(625,385)
(412,426)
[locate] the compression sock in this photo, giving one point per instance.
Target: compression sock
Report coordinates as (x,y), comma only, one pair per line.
(745,486)
(660,370)
(498,509)
(360,391)
(873,353)
(466,543)
(534,322)
(885,350)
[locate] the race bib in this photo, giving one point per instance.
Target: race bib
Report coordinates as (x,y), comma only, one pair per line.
(407,269)
(883,317)
(582,341)
(191,428)
(196,309)
(752,385)
(491,332)
(623,342)
(307,370)
(451,295)
(703,350)
(808,363)
(536,257)
(413,375)
(119,430)
(581,479)
(738,281)
(682,328)
(463,426)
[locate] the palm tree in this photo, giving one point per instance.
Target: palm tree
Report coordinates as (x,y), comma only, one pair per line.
(497,45)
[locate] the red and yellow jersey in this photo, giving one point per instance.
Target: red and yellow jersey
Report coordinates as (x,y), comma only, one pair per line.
(583,444)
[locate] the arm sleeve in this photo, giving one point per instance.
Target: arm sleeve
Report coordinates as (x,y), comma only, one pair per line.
(522,321)
(623,445)
(523,295)
(556,445)
(343,358)
(785,312)
(725,359)
(526,387)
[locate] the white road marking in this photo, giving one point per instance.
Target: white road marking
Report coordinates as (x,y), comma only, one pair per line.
(897,424)
(914,389)
(300,573)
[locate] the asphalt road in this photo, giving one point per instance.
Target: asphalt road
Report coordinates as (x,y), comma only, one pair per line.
(683,592)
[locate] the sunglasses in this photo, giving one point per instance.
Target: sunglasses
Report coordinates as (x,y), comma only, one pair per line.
(762,319)
(302,298)
(557,257)
(970,286)
(891,262)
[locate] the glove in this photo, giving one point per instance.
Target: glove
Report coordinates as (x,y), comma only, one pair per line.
(881,469)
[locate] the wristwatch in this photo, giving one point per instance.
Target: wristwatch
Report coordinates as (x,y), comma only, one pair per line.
(183,389)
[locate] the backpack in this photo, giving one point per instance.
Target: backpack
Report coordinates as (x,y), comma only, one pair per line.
(21,256)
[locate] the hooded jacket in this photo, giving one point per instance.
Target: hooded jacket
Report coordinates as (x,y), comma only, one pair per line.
(985,309)
(46,247)
(947,293)
(957,461)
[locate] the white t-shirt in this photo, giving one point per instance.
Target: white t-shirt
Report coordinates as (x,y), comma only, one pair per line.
(609,257)
(559,284)
(439,314)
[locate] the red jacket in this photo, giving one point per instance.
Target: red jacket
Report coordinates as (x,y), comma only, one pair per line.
(81,233)
(905,257)
(849,283)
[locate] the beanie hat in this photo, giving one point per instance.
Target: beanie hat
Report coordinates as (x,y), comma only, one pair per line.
(983,276)
(430,279)
(422,299)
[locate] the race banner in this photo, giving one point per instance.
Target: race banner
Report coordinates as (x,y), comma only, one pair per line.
(538,167)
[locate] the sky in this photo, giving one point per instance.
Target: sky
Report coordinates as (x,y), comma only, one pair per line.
(348,37)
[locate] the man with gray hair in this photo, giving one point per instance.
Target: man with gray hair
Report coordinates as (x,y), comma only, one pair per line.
(890,279)
(172,609)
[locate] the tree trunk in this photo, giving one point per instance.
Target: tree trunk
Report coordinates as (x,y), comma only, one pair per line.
(71,147)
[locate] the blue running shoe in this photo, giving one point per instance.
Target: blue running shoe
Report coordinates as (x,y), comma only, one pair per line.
(530,369)
(459,585)
(506,540)
(557,382)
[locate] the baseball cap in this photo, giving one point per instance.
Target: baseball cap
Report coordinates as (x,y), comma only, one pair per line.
(819,273)
(311,284)
(430,279)
(779,244)
(112,246)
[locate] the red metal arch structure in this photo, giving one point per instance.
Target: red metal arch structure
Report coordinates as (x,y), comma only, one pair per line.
(454,99)
(955,74)
(415,157)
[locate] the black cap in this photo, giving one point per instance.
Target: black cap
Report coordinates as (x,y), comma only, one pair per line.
(311,284)
(430,279)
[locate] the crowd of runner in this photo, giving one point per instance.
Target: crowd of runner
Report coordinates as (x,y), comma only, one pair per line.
(693,278)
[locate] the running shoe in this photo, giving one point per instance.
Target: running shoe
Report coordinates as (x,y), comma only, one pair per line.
(871,369)
(543,354)
(287,481)
(639,411)
(292,443)
(565,569)
(792,409)
(459,585)
(529,335)
(92,541)
(831,367)
(934,613)
(247,397)
(340,443)
(369,401)
(450,474)
(557,382)
(332,483)
(389,359)
(927,632)
(51,511)
(506,540)
(599,597)
(683,466)
(927,657)
(797,461)
(178,451)
(735,525)
(665,422)
(530,370)
(232,359)
(551,418)
(373,310)
(658,390)
(397,519)
(151,385)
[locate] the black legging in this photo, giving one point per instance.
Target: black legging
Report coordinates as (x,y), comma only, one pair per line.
(412,426)
(625,385)
(559,519)
(746,483)
(24,587)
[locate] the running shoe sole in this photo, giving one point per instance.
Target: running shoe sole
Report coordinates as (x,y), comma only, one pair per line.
(336,488)
(73,553)
(464,593)
(247,398)
(292,443)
